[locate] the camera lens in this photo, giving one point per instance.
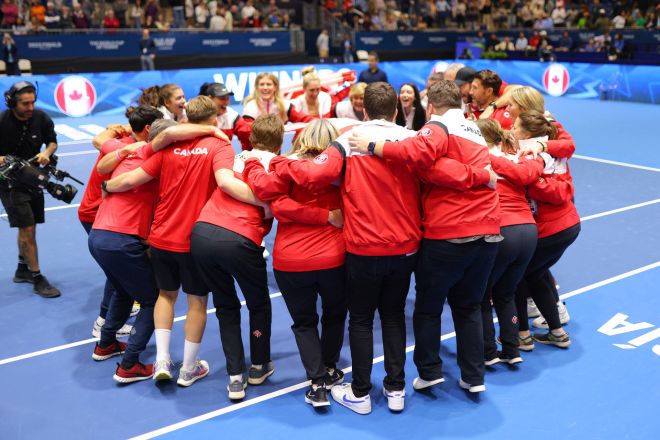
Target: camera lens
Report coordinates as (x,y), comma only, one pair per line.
(65,193)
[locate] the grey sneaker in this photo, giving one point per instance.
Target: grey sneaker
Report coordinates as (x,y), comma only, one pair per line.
(562,341)
(257,375)
(187,378)
(236,389)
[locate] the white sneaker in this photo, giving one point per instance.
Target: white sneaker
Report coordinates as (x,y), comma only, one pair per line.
(471,388)
(564,317)
(123,332)
(343,395)
(420,384)
(532,310)
(163,370)
(136,309)
(266,253)
(395,399)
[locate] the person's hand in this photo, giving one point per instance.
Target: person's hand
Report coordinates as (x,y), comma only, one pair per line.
(42,158)
(2,160)
(359,141)
(534,150)
(492,183)
(131,148)
(336,218)
(220,134)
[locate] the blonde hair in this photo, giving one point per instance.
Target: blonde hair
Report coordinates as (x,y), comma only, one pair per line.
(527,98)
(201,109)
(309,77)
(492,132)
(504,100)
(357,89)
(279,101)
(314,138)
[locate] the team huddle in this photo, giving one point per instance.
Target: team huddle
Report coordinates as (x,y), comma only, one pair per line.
(466,185)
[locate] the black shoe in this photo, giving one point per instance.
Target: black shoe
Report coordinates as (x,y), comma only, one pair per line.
(333,379)
(43,288)
(317,397)
(257,376)
(23,276)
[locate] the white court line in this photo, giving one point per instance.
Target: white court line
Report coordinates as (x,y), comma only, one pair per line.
(614,162)
(78,153)
(615,211)
(54,208)
(89,341)
(292,388)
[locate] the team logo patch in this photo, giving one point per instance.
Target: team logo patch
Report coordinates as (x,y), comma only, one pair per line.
(75,96)
(556,80)
(507,115)
(425,131)
(321,159)
(514,320)
(256,334)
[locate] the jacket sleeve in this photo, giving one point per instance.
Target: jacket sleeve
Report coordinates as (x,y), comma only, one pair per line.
(266,186)
(551,190)
(419,151)
(242,130)
(563,146)
(315,174)
(523,173)
(453,174)
(296,116)
(285,209)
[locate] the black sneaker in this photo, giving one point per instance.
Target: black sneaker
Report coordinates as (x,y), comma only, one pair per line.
(43,288)
(508,359)
(23,276)
(317,397)
(257,376)
(333,379)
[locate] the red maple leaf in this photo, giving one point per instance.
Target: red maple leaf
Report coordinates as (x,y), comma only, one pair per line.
(75,95)
(555,79)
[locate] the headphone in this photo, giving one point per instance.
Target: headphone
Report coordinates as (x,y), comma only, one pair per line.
(17,89)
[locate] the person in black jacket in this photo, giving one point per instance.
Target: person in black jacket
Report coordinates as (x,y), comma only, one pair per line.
(9,55)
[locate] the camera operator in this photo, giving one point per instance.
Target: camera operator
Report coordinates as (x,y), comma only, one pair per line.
(23,130)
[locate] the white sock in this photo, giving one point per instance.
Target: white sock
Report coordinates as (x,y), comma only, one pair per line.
(163,344)
(190,352)
(236,378)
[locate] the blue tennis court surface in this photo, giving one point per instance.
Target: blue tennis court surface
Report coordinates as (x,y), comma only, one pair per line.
(605,386)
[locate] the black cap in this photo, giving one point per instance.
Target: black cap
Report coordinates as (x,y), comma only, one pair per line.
(218,89)
(465,75)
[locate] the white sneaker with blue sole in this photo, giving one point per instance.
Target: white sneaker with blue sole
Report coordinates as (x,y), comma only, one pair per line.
(395,399)
(343,395)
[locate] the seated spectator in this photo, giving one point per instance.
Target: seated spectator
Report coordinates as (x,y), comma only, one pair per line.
(480,39)
(559,16)
(501,16)
(151,9)
(248,11)
(572,16)
(35,26)
(80,19)
(590,46)
(218,22)
(52,18)
(443,10)
(619,44)
(534,41)
(544,23)
(565,43)
(619,21)
(521,42)
(493,41)
(602,23)
(459,11)
(201,15)
(390,23)
(110,21)
(120,7)
(506,45)
(66,21)
(525,15)
(38,11)
(253,22)
(9,13)
(583,21)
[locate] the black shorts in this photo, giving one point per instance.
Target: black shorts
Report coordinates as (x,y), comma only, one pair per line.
(177,269)
(24,208)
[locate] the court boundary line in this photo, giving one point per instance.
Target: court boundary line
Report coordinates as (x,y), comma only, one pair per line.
(177,319)
(615,162)
(250,402)
(22,357)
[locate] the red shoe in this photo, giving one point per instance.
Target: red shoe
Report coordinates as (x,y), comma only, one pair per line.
(114,349)
(137,372)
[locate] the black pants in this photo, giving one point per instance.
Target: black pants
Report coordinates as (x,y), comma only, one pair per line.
(457,273)
(513,256)
(222,255)
(378,283)
(300,291)
(124,260)
(108,289)
(538,282)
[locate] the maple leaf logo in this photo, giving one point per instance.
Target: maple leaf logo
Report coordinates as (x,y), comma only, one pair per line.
(75,95)
(555,79)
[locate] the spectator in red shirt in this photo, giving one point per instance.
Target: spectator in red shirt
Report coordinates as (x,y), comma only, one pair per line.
(9,13)
(110,21)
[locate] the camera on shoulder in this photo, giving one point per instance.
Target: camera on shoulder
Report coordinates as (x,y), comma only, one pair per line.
(24,173)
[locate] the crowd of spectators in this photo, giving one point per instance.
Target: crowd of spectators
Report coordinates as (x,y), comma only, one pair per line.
(33,16)
(491,15)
